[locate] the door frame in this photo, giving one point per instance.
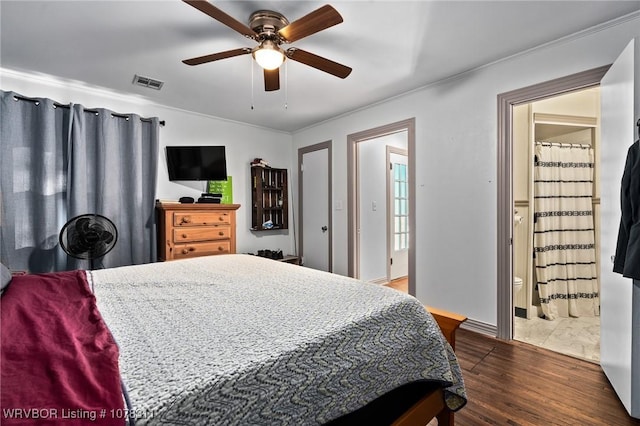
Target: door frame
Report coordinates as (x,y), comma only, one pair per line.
(408,125)
(306,150)
(506,101)
(390,217)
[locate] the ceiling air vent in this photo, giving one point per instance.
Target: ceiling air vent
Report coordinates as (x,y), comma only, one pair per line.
(147,82)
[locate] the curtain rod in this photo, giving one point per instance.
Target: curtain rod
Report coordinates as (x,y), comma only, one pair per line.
(564,145)
(91,111)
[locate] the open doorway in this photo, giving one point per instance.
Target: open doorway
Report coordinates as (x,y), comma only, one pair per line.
(556,288)
(377,217)
(505,226)
(366,205)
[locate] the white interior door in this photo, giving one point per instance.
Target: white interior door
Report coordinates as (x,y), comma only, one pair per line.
(398,215)
(619,299)
(315,227)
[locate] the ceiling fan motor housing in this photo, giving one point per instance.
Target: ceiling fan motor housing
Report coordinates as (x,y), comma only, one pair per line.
(267,23)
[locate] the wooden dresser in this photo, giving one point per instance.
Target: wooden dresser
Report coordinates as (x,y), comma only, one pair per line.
(192,230)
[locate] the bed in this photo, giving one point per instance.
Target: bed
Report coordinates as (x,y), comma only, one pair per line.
(237,339)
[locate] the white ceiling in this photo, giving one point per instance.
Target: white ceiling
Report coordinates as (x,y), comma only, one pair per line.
(392,46)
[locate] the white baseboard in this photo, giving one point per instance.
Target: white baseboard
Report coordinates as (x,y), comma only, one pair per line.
(379,281)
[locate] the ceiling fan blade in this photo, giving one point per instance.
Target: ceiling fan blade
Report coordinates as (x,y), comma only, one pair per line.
(220,16)
(272,80)
(217,56)
(318,20)
(318,62)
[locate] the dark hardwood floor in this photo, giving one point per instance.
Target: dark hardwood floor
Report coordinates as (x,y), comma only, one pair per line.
(517,384)
(513,383)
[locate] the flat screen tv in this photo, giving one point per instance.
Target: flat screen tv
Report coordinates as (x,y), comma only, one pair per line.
(196,163)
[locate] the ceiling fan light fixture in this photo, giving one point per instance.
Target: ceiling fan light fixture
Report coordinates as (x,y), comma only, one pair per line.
(268,55)
(270,30)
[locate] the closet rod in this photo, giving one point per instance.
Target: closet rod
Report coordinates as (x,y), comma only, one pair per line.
(91,111)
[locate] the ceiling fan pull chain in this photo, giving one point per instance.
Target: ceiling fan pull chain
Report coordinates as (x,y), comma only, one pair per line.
(286,85)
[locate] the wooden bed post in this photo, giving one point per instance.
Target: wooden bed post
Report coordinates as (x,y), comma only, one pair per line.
(433,404)
(448,323)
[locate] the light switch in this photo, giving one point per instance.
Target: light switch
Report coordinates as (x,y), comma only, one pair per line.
(374,206)
(338,204)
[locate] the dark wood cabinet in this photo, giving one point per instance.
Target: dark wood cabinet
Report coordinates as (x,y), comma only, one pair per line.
(269,199)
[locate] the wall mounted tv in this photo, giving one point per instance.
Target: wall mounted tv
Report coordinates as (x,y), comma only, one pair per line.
(196,163)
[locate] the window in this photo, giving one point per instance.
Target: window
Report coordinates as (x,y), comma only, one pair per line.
(401,206)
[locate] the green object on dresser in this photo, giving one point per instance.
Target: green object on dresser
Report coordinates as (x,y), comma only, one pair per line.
(224,187)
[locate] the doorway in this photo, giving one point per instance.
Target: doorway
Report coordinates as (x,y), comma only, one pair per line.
(556,193)
(505,226)
(356,143)
(376,220)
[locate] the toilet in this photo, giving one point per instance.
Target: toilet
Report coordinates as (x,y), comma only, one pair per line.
(517,286)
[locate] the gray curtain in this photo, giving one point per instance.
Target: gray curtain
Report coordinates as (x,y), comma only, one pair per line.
(112,171)
(33,137)
(61,162)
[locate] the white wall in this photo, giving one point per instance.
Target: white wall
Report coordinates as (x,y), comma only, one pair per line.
(243,143)
(456,165)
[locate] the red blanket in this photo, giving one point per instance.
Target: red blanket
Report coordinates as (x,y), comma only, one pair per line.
(59,361)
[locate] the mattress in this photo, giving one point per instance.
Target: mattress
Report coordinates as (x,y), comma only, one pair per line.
(237,339)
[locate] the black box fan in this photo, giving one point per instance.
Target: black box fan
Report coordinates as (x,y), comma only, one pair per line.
(89,237)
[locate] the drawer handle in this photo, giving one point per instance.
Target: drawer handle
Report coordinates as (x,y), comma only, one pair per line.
(184,235)
(186,219)
(220,248)
(221,233)
(187,250)
(221,218)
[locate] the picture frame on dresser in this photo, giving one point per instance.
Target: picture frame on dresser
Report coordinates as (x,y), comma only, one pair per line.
(193,230)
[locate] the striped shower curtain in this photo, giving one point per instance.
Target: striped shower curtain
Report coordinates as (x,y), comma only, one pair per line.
(564,237)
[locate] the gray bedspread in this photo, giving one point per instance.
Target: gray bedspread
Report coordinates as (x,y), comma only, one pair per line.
(237,339)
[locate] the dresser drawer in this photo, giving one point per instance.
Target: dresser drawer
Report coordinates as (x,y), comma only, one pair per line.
(201,233)
(201,218)
(183,251)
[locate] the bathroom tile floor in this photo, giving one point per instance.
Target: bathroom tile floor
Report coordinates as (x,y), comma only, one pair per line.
(577,337)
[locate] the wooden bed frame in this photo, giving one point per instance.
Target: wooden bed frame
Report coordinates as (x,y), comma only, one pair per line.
(432,405)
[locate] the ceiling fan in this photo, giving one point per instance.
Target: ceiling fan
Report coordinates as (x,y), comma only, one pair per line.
(270,30)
